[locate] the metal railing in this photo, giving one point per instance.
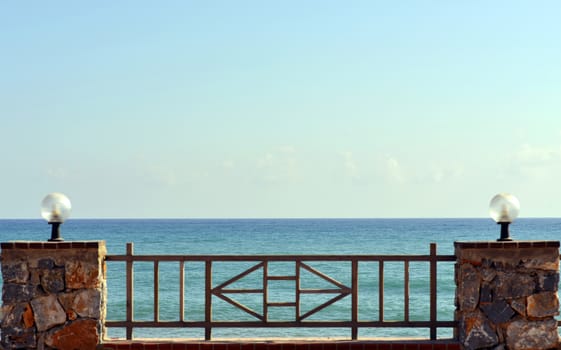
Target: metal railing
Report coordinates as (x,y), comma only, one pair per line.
(260,318)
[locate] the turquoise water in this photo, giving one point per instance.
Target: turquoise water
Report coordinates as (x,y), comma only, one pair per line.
(281,236)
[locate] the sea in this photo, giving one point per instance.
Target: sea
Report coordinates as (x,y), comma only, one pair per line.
(274,237)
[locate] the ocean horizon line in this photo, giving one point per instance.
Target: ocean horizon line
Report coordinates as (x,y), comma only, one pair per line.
(281,218)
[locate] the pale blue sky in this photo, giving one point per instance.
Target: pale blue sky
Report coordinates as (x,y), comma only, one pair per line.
(280,109)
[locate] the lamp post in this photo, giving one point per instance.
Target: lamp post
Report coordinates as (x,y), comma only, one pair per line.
(504,208)
(55,208)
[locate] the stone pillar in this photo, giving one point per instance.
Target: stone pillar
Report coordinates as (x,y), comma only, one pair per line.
(506,294)
(53,295)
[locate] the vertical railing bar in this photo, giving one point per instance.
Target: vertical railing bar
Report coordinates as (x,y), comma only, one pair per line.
(406,289)
(354,286)
(433,291)
(381,290)
(182,290)
(130,289)
(265,291)
(156,290)
(297,266)
(208,299)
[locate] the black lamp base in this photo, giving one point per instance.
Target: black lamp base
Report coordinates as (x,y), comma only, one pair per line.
(55,232)
(505,234)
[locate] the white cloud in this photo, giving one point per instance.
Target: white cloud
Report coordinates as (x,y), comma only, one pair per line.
(394,171)
(266,161)
(438,175)
(446,173)
(169,178)
(228,164)
(287,149)
(349,164)
(57,173)
(536,163)
(532,155)
(160,175)
(278,166)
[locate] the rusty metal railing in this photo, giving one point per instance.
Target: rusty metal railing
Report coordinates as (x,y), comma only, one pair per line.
(225,289)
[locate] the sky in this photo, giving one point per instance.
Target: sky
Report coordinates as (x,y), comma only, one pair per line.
(280,109)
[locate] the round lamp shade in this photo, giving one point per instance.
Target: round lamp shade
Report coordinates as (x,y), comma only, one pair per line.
(55,208)
(504,207)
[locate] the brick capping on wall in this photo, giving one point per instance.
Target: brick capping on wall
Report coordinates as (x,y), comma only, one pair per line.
(50,245)
(506,244)
(397,344)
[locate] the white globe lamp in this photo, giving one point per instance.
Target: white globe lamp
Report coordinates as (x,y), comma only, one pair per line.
(55,208)
(504,209)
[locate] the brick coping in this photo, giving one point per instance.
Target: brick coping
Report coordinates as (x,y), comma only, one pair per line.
(279,340)
(506,244)
(286,344)
(52,245)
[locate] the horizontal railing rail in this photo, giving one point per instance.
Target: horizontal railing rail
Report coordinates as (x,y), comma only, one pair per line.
(225,290)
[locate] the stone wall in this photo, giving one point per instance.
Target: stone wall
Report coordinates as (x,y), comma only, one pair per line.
(506,295)
(53,295)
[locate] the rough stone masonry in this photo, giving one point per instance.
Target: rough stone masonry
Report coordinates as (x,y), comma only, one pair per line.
(53,295)
(506,295)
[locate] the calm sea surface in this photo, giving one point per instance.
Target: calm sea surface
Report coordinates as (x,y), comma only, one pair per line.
(280,236)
